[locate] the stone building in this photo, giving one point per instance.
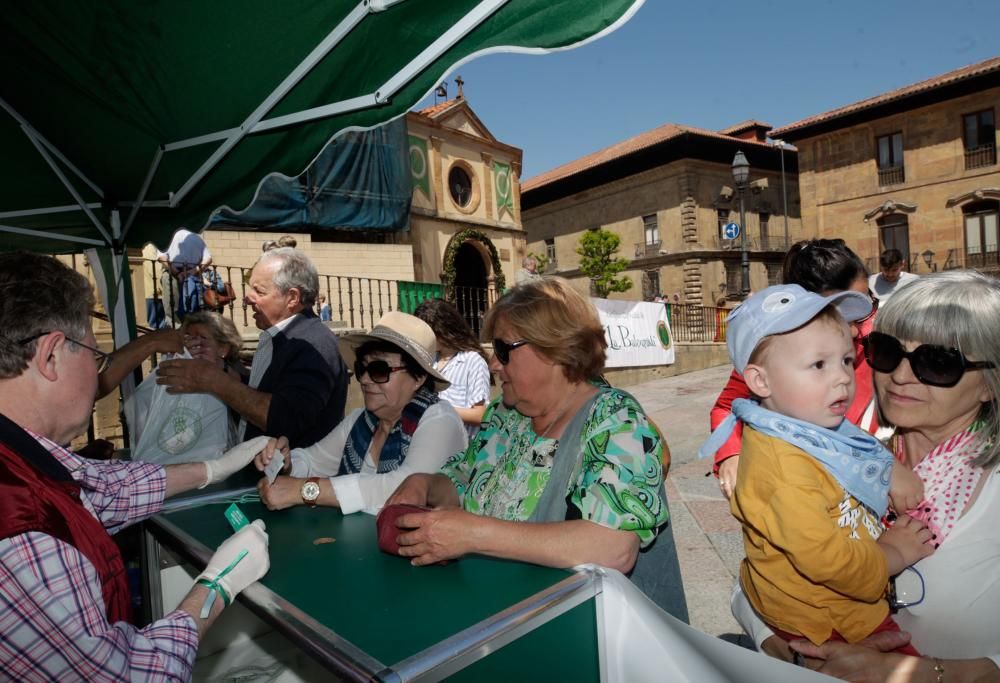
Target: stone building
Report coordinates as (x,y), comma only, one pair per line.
(667,194)
(913,169)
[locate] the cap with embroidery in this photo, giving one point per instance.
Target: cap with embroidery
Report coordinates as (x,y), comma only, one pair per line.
(783,308)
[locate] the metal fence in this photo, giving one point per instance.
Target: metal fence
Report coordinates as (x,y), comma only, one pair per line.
(693,323)
(357,302)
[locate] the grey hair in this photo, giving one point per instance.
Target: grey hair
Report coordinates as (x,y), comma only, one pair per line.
(38,294)
(528,259)
(296,270)
(960,309)
(223,331)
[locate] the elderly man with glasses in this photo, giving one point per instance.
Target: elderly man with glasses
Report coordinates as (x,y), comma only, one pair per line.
(64,598)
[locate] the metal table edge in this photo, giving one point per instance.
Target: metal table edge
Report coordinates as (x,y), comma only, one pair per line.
(482,639)
(328,648)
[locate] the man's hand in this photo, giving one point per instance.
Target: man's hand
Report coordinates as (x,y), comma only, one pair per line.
(253,539)
(191,376)
(233,460)
(163,341)
(263,459)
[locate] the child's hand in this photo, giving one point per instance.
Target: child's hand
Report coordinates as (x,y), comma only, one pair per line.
(906,489)
(905,543)
(727,475)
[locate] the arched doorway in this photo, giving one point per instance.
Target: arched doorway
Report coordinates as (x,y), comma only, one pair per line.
(472,275)
(471,291)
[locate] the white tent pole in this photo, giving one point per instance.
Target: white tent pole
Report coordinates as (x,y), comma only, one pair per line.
(354,17)
(65,181)
(52,236)
(48,145)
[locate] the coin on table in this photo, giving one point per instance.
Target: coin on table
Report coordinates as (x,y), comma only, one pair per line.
(323,540)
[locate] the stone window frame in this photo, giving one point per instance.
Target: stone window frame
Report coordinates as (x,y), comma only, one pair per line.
(474,186)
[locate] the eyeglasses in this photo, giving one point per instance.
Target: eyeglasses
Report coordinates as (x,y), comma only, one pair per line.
(379,371)
(502,349)
(906,589)
(936,366)
(102,359)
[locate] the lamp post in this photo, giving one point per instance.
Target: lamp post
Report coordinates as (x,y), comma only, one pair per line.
(929,260)
(784,189)
(741,174)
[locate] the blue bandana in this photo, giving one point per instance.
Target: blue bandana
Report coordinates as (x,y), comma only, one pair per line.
(854,457)
(396,444)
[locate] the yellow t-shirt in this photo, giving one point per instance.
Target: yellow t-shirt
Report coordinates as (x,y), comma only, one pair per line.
(812,565)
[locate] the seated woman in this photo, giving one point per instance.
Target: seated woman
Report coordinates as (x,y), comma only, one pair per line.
(936,365)
(565,470)
(404,428)
(460,359)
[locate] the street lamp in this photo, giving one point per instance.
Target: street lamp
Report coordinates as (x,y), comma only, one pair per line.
(741,174)
(929,260)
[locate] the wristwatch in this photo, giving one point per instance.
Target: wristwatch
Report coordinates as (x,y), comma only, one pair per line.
(310,491)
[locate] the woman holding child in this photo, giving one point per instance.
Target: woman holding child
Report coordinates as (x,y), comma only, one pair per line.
(936,369)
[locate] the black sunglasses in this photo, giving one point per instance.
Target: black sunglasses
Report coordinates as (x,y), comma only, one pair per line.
(379,371)
(502,349)
(936,366)
(102,359)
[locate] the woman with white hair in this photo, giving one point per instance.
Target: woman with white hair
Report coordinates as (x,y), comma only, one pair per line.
(936,360)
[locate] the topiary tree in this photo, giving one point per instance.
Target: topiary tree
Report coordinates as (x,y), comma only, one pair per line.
(598,262)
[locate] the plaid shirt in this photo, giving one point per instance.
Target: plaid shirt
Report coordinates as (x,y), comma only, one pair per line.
(53,625)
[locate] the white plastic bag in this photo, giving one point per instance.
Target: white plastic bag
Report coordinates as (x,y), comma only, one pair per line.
(174,428)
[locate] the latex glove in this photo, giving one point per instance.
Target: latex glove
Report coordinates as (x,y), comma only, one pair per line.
(233,579)
(233,460)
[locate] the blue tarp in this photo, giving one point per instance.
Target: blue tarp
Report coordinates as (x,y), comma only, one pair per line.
(361,181)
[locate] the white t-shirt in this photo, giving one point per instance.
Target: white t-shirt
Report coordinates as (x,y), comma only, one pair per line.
(186,248)
(439,435)
(959,617)
(883,289)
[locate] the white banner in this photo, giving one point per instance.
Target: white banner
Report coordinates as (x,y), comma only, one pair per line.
(637,332)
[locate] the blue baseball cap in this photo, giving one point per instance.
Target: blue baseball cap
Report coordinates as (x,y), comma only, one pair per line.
(783,308)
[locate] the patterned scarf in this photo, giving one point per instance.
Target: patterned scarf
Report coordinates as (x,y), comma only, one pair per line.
(950,477)
(396,444)
(855,458)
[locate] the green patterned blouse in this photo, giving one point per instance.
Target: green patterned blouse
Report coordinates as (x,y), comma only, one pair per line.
(505,469)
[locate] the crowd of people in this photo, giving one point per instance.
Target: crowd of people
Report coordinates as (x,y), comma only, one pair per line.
(858,442)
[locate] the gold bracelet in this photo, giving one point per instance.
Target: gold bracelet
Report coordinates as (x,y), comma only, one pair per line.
(938,669)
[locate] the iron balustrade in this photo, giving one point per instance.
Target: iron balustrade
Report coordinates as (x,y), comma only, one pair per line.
(699,324)
(983,155)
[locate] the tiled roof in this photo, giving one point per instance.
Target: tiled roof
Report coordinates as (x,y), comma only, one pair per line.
(743,126)
(623,149)
(965,73)
(440,107)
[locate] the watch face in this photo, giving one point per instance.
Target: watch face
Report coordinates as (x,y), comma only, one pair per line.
(310,490)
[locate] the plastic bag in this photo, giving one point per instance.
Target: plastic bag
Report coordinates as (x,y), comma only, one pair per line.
(174,428)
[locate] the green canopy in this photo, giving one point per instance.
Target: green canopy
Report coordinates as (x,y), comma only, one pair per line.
(185,106)
(124,121)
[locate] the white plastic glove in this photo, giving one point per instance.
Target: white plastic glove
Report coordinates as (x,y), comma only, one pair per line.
(233,578)
(233,460)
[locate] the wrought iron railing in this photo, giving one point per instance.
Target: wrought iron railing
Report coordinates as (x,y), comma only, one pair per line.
(983,155)
(892,175)
(982,258)
(693,323)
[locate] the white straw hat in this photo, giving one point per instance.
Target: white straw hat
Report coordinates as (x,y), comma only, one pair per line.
(411,334)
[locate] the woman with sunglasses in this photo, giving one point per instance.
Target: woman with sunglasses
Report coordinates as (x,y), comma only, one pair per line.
(824,266)
(936,366)
(565,469)
(403,428)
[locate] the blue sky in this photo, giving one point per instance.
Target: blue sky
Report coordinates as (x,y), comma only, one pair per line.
(713,63)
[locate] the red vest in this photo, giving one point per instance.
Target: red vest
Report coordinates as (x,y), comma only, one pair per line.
(37,494)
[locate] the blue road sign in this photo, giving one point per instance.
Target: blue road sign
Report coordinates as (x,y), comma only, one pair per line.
(731,231)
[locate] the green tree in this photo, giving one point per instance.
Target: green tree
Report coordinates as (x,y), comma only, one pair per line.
(598,262)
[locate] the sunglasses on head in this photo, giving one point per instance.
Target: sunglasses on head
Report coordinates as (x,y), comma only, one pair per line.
(502,349)
(379,371)
(936,366)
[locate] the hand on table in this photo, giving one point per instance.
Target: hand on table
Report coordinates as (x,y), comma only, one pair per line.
(413,491)
(284,493)
(436,535)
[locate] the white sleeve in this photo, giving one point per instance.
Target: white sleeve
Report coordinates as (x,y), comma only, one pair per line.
(479,380)
(439,436)
(748,618)
(322,459)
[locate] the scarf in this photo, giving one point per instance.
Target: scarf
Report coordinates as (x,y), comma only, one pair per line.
(950,477)
(396,444)
(856,459)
